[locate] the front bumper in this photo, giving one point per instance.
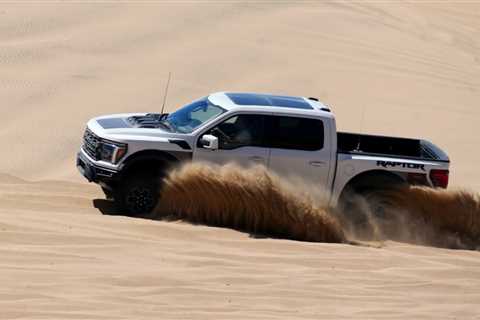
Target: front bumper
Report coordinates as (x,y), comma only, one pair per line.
(95,173)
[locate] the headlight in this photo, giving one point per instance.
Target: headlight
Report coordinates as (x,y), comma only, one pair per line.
(111,152)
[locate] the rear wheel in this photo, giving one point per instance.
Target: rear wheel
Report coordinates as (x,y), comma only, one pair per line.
(379,202)
(367,204)
(365,213)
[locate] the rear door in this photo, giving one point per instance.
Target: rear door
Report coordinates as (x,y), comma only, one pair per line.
(298,148)
(241,141)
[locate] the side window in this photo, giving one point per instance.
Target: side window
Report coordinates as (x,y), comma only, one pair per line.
(295,133)
(239,131)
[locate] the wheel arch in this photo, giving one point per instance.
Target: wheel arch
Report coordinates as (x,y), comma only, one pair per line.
(372,179)
(148,159)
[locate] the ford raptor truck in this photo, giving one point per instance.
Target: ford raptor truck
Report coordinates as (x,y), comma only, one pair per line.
(128,154)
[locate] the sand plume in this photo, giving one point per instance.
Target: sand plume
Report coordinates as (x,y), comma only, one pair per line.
(260,202)
(419,215)
(438,217)
(253,200)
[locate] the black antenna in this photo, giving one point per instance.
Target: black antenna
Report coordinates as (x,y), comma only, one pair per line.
(166,91)
(364,110)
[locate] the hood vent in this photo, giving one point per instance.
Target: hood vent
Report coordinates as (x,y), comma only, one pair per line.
(150,120)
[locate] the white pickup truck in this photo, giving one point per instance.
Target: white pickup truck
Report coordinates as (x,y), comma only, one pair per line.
(127,154)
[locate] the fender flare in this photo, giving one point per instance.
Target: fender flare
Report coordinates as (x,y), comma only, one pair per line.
(146,158)
(371,179)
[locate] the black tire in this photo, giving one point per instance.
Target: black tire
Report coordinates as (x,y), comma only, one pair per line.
(353,208)
(139,194)
(374,189)
(379,202)
(109,193)
(363,205)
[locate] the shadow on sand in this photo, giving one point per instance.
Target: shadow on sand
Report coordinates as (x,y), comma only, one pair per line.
(107,207)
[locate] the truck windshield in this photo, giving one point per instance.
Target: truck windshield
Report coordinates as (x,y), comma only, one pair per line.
(191,116)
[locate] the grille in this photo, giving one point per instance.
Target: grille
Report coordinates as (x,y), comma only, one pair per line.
(91,143)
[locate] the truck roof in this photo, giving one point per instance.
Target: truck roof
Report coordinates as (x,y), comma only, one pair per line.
(269,102)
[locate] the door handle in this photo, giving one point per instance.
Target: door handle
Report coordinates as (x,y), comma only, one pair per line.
(317,163)
(256,159)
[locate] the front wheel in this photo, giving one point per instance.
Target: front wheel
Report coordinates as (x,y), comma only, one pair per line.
(109,193)
(139,195)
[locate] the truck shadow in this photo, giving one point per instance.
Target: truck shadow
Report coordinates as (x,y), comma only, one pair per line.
(107,207)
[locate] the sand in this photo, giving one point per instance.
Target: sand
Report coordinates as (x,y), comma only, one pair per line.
(397,68)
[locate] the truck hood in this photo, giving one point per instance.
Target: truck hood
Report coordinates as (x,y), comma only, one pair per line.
(132,120)
(126,126)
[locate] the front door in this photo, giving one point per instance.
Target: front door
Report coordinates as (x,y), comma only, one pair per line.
(240,140)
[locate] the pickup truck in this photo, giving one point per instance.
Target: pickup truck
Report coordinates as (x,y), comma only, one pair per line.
(128,154)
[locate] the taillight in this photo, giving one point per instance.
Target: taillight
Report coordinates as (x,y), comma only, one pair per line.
(439,178)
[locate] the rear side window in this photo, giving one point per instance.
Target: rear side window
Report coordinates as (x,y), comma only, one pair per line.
(295,133)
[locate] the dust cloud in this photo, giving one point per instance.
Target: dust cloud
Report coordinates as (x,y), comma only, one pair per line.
(257,201)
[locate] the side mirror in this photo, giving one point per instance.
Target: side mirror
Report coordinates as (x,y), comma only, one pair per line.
(209,141)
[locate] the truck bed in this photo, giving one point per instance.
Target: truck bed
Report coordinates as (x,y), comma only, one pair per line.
(389,146)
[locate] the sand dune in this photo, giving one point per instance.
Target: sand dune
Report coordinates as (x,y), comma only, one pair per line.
(398,68)
(61,259)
